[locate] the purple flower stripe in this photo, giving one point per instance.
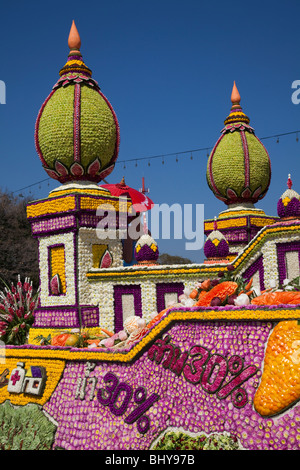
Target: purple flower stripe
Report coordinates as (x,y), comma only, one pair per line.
(146,253)
(282,249)
(257,266)
(119,291)
(210,249)
(163,288)
(223,248)
(291,209)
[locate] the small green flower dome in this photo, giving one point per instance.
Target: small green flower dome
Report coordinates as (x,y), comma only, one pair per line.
(77,132)
(238,168)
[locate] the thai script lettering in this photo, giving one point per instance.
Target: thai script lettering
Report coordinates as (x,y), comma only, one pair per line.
(118,396)
(82,383)
(216,374)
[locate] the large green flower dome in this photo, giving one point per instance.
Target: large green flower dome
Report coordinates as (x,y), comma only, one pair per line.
(77,132)
(239,168)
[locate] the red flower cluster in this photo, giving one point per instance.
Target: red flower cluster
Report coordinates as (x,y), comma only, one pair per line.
(17,304)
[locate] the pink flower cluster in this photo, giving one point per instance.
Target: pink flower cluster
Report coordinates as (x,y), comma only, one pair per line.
(17,304)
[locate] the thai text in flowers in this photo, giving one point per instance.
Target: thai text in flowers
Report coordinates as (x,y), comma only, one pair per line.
(215,373)
(119,397)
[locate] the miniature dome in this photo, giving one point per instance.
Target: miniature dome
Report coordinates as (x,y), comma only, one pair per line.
(216,245)
(238,169)
(146,249)
(289,203)
(77,132)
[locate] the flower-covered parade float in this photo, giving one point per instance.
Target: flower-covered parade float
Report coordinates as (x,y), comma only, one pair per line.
(135,355)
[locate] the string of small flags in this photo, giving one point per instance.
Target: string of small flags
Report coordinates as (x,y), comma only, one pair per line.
(162,158)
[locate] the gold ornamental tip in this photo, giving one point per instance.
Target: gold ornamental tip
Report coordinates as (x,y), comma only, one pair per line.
(235,96)
(236,114)
(74,64)
(74,41)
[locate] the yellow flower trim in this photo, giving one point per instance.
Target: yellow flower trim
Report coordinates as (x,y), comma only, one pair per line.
(203,270)
(93,192)
(57,257)
(255,241)
(261,222)
(93,203)
(34,332)
(51,206)
(241,213)
(68,203)
(54,368)
(235,222)
(46,354)
(75,62)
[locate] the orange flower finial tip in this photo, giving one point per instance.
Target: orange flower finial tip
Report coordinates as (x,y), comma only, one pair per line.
(74,41)
(235,96)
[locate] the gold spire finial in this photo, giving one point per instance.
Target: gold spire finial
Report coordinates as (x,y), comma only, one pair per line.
(235,96)
(236,113)
(75,62)
(74,41)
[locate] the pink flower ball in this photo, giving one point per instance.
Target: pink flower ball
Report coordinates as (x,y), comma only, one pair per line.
(122,335)
(109,342)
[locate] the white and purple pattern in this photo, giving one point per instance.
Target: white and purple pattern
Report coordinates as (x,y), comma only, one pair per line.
(86,424)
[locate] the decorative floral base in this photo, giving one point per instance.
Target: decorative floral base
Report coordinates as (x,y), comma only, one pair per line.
(197,376)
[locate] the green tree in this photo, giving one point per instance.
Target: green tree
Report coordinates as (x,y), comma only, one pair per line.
(18,249)
(165,258)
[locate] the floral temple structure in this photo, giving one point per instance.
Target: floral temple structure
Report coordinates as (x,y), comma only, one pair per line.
(125,353)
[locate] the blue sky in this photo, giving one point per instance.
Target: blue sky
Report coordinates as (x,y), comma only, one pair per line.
(167,67)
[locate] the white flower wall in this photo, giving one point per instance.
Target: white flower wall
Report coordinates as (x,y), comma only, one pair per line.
(87,237)
(69,298)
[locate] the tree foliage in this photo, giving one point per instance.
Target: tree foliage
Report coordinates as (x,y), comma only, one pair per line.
(165,258)
(18,249)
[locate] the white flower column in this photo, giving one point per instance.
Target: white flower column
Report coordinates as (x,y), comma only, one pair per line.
(289,244)
(270,263)
(148,299)
(104,293)
(69,297)
(87,237)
